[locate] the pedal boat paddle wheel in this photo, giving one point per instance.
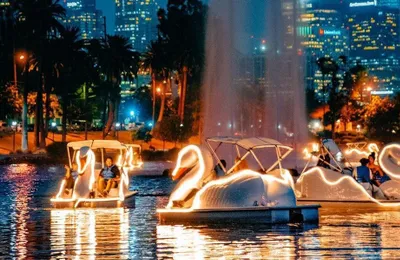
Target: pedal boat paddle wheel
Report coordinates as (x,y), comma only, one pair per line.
(245,195)
(84,193)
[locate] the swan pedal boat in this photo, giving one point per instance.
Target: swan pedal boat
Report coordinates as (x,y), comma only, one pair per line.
(333,187)
(79,196)
(238,196)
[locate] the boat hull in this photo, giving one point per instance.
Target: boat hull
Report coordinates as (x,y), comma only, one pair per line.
(97,202)
(364,204)
(265,215)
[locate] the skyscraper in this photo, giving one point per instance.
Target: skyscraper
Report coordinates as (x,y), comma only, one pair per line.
(84,15)
(137,21)
(323,34)
(390,3)
(374,42)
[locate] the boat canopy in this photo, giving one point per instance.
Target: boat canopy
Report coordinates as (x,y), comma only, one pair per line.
(96,144)
(249,144)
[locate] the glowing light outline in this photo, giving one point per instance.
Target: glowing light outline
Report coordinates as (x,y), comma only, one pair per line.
(342,178)
(196,204)
(91,159)
(192,182)
(372,147)
(220,182)
(382,164)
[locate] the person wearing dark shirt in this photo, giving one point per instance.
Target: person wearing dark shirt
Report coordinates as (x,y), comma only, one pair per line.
(108,178)
(363,176)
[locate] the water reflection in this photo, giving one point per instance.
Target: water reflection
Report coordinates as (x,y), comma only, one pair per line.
(30,228)
(230,241)
(89,233)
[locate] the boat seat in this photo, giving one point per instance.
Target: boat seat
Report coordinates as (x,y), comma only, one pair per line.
(114,192)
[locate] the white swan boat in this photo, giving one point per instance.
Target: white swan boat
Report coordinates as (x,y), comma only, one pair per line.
(84,192)
(332,187)
(244,195)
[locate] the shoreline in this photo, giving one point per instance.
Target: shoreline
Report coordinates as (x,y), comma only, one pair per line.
(45,159)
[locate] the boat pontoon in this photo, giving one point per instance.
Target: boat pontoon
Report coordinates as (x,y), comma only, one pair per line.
(263,196)
(84,192)
(331,186)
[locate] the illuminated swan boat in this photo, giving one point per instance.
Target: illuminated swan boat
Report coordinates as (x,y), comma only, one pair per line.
(355,151)
(243,195)
(330,187)
(84,192)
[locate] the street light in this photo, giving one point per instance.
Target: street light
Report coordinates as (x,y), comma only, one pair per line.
(117,126)
(53,128)
(14,128)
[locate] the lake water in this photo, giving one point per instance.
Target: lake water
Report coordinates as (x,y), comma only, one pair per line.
(30,228)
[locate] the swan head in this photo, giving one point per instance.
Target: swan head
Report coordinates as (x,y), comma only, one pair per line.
(188,158)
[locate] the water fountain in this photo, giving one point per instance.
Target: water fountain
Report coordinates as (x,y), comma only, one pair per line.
(253,81)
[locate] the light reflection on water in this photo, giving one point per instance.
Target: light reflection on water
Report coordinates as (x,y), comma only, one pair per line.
(30,228)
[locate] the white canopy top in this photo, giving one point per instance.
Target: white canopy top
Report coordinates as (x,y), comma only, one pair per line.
(248,143)
(133,145)
(95,144)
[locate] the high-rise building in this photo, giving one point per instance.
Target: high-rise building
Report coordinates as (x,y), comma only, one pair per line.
(323,34)
(374,43)
(390,3)
(137,21)
(84,15)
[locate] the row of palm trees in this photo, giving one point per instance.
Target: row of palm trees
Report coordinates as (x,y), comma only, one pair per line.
(59,62)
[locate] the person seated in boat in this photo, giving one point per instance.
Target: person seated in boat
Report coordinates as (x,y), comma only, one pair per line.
(108,178)
(363,176)
(218,169)
(378,175)
(241,166)
(70,177)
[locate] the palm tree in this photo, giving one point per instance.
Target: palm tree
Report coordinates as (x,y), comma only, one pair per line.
(71,57)
(116,63)
(183,27)
(153,61)
(36,31)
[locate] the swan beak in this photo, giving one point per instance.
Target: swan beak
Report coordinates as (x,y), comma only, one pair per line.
(179,173)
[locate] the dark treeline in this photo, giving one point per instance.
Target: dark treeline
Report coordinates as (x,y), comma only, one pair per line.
(41,58)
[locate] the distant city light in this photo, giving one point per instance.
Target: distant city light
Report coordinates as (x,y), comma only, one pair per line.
(117,124)
(366,3)
(150,124)
(132,113)
(53,124)
(14,123)
(382,92)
